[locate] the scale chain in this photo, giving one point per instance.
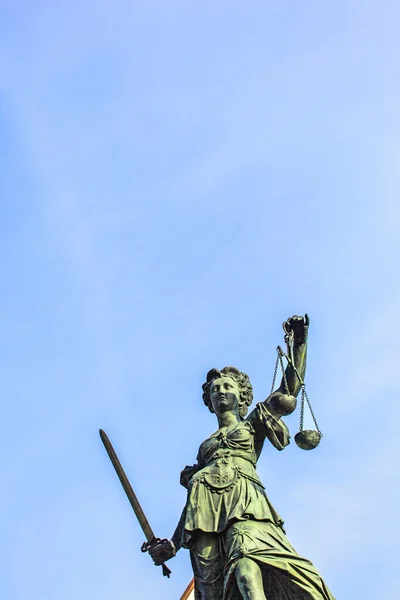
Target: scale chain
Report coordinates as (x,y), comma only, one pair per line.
(275,373)
(305,397)
(279,359)
(312,412)
(283,371)
(303,393)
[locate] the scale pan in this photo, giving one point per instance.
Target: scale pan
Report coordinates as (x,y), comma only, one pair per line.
(308,439)
(283,404)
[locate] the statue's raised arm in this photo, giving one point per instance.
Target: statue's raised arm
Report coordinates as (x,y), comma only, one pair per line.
(266,418)
(296,334)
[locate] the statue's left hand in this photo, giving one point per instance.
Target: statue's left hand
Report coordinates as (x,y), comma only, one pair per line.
(299,327)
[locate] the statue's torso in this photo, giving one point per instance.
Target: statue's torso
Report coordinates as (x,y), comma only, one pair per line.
(227,488)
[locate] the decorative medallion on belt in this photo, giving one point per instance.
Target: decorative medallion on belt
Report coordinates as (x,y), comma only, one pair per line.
(221,477)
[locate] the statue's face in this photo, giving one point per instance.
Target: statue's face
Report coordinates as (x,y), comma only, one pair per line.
(224,395)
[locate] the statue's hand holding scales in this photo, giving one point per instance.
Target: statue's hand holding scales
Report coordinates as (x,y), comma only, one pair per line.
(282,402)
(298,326)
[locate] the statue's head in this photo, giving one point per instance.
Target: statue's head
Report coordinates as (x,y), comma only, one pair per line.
(241,386)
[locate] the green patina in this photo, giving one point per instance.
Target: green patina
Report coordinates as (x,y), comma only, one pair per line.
(237,543)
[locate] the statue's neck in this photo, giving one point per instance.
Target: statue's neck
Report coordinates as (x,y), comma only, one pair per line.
(228,419)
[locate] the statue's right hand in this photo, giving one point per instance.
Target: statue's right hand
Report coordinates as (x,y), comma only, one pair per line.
(162,551)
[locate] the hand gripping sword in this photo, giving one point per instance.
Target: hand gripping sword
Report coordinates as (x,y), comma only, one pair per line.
(137,509)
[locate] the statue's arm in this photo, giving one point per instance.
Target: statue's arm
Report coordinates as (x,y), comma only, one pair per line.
(177,535)
(267,425)
(167,549)
(266,417)
(299,327)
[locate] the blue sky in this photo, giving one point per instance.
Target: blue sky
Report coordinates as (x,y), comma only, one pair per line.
(176,179)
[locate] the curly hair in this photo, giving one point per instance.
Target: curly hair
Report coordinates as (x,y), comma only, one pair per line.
(243,381)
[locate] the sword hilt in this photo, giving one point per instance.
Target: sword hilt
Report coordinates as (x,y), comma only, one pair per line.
(145,547)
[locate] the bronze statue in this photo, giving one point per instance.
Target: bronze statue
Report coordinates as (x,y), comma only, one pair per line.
(238,547)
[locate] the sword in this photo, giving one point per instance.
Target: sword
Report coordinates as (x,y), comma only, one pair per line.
(137,509)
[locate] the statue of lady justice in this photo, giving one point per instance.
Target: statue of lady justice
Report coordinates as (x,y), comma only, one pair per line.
(238,547)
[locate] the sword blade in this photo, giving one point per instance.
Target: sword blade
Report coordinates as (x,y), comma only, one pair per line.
(134,502)
(137,509)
